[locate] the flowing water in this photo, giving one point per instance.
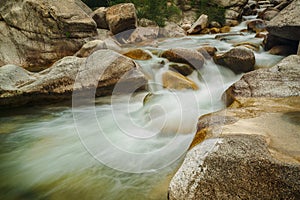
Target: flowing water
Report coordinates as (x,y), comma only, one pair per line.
(120,147)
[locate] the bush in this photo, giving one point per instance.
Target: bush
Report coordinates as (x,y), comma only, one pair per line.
(214,12)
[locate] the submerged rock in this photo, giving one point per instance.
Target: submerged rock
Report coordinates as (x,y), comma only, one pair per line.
(183,69)
(238,59)
(99,72)
(183,55)
(137,54)
(36,33)
(176,81)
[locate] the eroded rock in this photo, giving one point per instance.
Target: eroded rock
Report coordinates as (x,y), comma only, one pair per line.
(176,81)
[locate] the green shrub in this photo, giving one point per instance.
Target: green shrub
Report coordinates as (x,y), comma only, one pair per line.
(214,12)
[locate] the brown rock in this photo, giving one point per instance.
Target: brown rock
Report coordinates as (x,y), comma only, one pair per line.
(183,69)
(137,54)
(225,29)
(199,25)
(36,33)
(207,51)
(268,14)
(99,16)
(121,17)
(256,25)
(90,47)
(214,30)
(174,80)
(187,56)
(249,45)
(238,59)
(282,50)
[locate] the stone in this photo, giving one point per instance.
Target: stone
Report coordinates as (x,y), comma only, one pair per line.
(90,47)
(214,24)
(231,22)
(232,14)
(271,41)
(282,80)
(283,50)
(146,22)
(199,25)
(214,30)
(121,17)
(249,45)
(268,14)
(229,3)
(286,24)
(207,51)
(137,54)
(142,34)
(101,71)
(99,16)
(256,25)
(176,81)
(183,69)
(171,29)
(225,29)
(238,59)
(183,55)
(227,167)
(36,33)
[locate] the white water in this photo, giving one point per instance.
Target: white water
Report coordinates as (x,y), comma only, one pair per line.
(63,153)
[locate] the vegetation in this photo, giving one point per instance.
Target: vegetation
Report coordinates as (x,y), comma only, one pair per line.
(214,12)
(155,10)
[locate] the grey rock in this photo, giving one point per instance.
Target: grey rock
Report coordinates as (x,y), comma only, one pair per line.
(282,80)
(171,30)
(36,33)
(234,167)
(286,24)
(99,72)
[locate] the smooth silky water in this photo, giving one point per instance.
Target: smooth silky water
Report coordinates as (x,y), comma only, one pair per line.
(55,152)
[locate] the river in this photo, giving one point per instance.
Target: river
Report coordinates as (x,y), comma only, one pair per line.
(118,147)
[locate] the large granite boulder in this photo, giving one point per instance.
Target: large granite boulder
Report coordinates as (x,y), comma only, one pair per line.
(182,55)
(235,167)
(100,72)
(121,17)
(282,80)
(36,33)
(286,24)
(238,59)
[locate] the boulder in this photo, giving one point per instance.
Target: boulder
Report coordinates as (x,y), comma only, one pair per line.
(271,40)
(183,69)
(90,47)
(283,50)
(268,14)
(99,72)
(249,45)
(238,59)
(171,29)
(256,25)
(286,24)
(199,25)
(207,51)
(176,81)
(282,80)
(137,54)
(99,16)
(183,55)
(121,17)
(228,167)
(141,34)
(36,33)
(146,22)
(225,29)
